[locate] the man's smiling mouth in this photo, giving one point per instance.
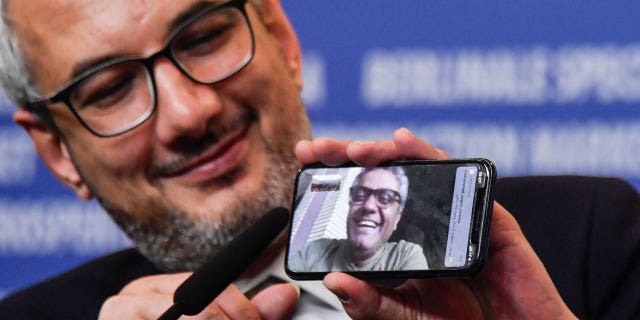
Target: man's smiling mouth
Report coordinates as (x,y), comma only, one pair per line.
(210,160)
(365,223)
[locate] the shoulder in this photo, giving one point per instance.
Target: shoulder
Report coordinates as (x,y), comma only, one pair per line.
(325,243)
(404,255)
(404,246)
(315,255)
(321,247)
(80,292)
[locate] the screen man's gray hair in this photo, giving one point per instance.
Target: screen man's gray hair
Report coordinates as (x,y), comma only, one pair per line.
(398,172)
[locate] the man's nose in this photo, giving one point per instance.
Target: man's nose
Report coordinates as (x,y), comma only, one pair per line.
(185,107)
(371,203)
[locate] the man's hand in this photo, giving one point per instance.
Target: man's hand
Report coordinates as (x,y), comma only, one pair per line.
(149,297)
(405,145)
(512,285)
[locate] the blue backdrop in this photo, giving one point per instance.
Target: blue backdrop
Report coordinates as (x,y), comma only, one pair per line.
(540,87)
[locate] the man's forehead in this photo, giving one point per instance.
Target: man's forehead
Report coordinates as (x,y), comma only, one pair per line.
(67,32)
(65,14)
(380,176)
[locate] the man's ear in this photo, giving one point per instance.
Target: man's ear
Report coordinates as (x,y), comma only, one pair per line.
(53,152)
(397,220)
(278,25)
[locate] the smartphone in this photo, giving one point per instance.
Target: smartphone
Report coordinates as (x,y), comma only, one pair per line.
(403,219)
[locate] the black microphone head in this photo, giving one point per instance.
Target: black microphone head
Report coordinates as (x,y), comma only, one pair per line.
(206,283)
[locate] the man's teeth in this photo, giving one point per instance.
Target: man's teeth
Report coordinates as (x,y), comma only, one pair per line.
(368,224)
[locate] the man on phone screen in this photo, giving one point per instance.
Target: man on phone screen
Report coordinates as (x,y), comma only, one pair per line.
(376,201)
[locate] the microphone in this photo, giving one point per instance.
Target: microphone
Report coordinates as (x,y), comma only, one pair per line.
(206,283)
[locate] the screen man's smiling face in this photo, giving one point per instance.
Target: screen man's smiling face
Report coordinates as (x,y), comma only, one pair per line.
(374,210)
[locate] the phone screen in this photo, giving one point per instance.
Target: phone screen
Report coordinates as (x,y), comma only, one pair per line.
(403,219)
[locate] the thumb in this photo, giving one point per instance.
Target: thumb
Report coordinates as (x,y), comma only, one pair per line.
(276,301)
(362,300)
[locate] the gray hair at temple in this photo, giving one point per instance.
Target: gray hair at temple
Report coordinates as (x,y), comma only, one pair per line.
(399,173)
(16,81)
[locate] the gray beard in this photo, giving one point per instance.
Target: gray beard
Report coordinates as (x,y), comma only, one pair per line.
(176,243)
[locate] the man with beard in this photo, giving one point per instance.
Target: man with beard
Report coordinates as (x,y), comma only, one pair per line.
(181,118)
(376,201)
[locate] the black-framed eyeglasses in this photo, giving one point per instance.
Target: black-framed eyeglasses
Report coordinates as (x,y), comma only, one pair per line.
(384,197)
(119,95)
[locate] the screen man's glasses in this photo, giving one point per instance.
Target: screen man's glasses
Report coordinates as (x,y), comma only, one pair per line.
(384,197)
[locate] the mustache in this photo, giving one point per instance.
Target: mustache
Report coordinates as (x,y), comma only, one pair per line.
(190,148)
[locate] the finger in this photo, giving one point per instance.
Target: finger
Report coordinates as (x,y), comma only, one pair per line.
(369,153)
(211,312)
(233,304)
(362,300)
(148,306)
(408,146)
(405,145)
(507,236)
(329,151)
(162,283)
(304,152)
(359,299)
(505,230)
(277,301)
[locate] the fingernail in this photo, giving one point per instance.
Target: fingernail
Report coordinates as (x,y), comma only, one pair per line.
(364,142)
(295,286)
(405,130)
(342,296)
